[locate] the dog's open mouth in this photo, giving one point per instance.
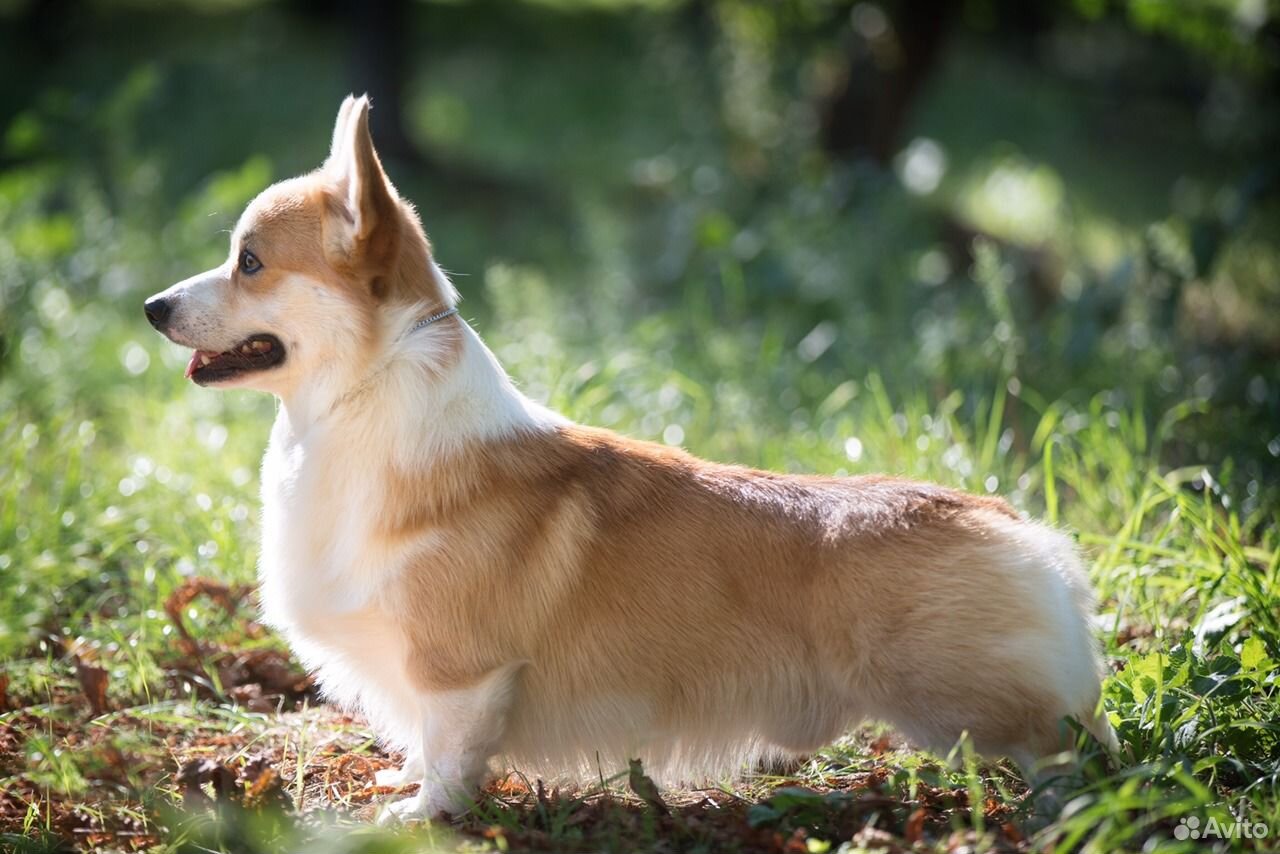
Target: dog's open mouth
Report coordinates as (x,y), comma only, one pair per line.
(255,353)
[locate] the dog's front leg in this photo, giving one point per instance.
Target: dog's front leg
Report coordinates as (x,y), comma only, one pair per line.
(461,730)
(410,772)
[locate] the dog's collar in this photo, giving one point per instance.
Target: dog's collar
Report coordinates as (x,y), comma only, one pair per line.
(421,324)
(427,321)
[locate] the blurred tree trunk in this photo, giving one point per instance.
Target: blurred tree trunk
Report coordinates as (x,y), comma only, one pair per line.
(46,25)
(379,33)
(883,74)
(378,40)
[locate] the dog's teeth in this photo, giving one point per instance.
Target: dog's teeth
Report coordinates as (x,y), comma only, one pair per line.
(247,350)
(204,360)
(262,345)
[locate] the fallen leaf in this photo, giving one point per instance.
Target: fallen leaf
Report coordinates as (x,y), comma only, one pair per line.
(93,682)
(193,775)
(254,766)
(360,781)
(250,696)
(796,844)
(179,599)
(275,672)
(263,787)
(914,829)
(371,792)
(509,786)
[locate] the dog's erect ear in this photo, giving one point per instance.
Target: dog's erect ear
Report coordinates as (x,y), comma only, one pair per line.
(340,132)
(368,199)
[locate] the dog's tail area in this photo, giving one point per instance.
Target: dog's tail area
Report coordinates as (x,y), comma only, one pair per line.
(1070,568)
(1094,720)
(1068,604)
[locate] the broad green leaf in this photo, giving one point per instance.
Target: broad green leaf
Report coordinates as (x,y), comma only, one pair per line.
(1253,654)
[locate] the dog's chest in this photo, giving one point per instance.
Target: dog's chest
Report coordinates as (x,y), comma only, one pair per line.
(324,575)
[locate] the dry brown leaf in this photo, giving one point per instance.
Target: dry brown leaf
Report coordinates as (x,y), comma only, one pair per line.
(370,792)
(913,832)
(251,697)
(264,786)
(114,758)
(275,671)
(255,765)
(93,682)
(179,599)
(509,786)
(338,768)
(194,774)
(797,843)
(260,679)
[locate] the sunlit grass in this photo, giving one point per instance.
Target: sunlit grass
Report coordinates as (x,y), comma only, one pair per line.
(136,481)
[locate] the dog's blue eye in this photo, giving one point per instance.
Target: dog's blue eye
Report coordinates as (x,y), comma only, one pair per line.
(249,263)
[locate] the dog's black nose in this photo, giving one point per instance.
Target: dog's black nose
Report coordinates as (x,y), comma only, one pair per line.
(157,311)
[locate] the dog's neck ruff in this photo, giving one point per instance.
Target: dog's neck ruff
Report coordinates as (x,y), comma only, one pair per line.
(379,370)
(427,321)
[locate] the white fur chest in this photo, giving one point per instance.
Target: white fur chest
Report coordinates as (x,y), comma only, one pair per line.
(317,514)
(324,575)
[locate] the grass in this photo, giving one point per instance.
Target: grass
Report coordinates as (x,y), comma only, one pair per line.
(138,499)
(813,319)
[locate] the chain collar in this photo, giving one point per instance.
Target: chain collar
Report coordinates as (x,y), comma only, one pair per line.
(427,321)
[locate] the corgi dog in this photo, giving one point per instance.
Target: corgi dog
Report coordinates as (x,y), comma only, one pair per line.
(486,580)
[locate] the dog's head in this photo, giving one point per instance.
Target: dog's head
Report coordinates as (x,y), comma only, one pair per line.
(315,263)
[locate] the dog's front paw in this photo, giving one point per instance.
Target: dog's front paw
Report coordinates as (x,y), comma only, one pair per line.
(397,777)
(430,803)
(412,808)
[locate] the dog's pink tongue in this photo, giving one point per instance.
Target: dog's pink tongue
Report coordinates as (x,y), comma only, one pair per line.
(197,359)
